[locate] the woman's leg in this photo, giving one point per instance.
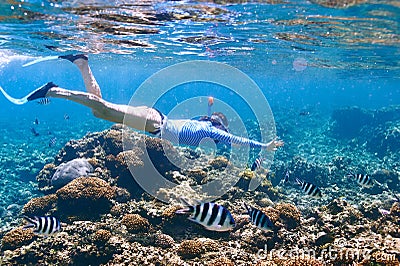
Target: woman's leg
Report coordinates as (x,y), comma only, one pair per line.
(81,61)
(140,117)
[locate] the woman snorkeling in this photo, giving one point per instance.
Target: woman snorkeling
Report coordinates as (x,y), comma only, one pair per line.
(185,131)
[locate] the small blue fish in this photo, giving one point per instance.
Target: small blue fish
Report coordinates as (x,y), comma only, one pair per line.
(304,113)
(52,142)
(43,225)
(34,132)
(36,122)
(66,117)
(212,216)
(259,219)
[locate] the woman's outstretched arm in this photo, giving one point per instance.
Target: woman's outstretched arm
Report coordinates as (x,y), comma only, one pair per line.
(229,138)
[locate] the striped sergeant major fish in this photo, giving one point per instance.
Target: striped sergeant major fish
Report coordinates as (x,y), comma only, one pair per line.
(44,101)
(285,178)
(257,163)
(212,216)
(258,218)
(52,142)
(309,188)
(363,180)
(46,225)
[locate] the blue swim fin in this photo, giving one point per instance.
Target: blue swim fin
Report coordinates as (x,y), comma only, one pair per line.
(42,59)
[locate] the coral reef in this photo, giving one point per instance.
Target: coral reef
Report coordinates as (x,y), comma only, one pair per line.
(383,138)
(389,224)
(296,261)
(85,197)
(101,236)
(39,206)
(110,220)
(339,3)
(349,121)
(189,249)
(17,238)
(197,174)
(222,261)
(219,163)
(289,214)
(378,129)
(135,223)
(66,172)
(163,241)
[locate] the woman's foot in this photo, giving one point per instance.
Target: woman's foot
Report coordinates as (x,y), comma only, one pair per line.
(41,92)
(72,57)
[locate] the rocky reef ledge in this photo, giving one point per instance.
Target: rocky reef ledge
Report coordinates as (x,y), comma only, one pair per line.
(108,219)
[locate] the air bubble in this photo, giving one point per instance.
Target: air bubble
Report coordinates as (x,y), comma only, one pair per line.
(299,64)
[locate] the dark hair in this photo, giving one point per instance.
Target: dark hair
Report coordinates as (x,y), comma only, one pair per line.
(220,117)
(219,120)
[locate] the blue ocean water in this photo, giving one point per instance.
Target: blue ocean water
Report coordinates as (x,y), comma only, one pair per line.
(304,56)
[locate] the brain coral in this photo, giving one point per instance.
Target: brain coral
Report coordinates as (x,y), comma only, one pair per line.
(85,197)
(189,249)
(66,172)
(289,214)
(163,241)
(101,236)
(17,238)
(135,223)
(39,206)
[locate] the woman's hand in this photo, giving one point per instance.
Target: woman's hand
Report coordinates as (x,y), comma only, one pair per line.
(274,144)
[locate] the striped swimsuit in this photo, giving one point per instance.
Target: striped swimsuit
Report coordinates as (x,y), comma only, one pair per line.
(192,132)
